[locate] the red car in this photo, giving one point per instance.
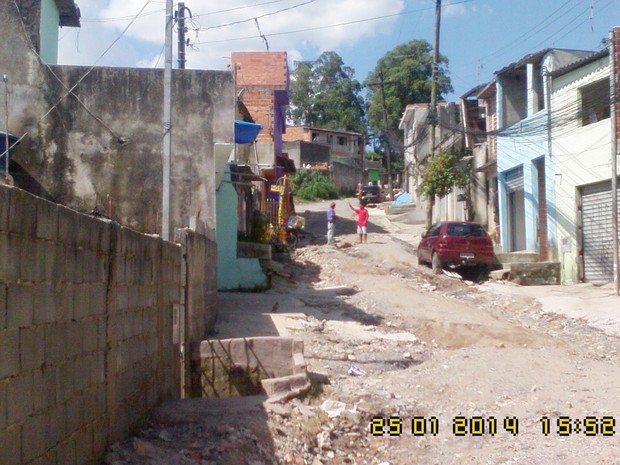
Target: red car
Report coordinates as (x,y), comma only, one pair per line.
(456,244)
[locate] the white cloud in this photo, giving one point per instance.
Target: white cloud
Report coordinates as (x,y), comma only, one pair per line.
(303,28)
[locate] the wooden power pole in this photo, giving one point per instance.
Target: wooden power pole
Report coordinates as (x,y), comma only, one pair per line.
(388,153)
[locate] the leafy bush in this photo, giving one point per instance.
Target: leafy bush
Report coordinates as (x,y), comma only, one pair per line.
(442,173)
(312,185)
(259,229)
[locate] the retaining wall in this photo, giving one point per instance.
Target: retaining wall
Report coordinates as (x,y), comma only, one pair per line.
(86,330)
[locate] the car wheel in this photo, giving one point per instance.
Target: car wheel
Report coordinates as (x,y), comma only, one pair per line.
(436,264)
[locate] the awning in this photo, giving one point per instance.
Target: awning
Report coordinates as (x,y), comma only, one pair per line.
(243,173)
(246,133)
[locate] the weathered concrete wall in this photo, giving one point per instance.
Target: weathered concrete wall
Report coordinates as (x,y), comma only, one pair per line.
(306,152)
(346,177)
(101,145)
(86,330)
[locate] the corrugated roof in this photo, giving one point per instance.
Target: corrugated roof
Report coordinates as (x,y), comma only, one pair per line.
(581,62)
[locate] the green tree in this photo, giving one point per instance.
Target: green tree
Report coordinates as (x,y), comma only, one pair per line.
(325,94)
(442,174)
(406,74)
(312,185)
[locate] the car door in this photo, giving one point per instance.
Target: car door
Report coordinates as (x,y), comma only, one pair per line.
(428,242)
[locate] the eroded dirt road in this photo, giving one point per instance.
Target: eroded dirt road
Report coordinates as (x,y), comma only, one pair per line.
(480,374)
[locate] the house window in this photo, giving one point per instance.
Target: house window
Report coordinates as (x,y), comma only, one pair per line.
(342,140)
(594,102)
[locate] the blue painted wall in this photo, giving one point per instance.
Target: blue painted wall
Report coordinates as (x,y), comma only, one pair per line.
(522,145)
(50,20)
(233,273)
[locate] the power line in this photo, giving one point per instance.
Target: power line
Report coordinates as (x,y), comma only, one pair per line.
(69,91)
(329,26)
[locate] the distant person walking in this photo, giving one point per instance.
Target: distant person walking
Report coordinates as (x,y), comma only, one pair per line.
(362,222)
(331,223)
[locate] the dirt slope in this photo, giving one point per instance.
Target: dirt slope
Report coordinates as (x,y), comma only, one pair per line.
(452,355)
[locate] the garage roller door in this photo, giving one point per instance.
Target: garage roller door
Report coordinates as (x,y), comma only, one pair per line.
(514,179)
(597,243)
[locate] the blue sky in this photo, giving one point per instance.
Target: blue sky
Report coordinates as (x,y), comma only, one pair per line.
(479,37)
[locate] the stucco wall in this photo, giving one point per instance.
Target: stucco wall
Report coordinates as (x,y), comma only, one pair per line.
(101,146)
(526,142)
(233,273)
(581,154)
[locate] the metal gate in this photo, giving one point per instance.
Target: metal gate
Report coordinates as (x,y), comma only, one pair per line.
(515,205)
(596,233)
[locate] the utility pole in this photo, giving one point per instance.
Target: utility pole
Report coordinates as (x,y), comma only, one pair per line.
(387,134)
(614,37)
(181,24)
(433,109)
(165,221)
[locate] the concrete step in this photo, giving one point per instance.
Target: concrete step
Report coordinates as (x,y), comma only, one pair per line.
(518,257)
(529,274)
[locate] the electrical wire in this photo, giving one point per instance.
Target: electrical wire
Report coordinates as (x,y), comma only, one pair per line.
(69,91)
(318,28)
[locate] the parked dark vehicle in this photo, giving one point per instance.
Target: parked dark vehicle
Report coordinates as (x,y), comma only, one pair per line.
(371,194)
(457,245)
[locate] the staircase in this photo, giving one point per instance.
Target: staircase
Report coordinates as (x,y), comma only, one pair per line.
(525,268)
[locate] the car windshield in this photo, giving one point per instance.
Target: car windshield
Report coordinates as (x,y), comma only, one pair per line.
(371,189)
(465,229)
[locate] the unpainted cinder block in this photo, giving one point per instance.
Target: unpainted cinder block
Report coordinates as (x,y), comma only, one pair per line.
(9,352)
(4,207)
(32,347)
(20,302)
(84,446)
(22,213)
(99,438)
(47,220)
(75,413)
(35,436)
(67,230)
(2,306)
(56,340)
(65,380)
(44,389)
(4,385)
(44,304)
(10,249)
(10,452)
(20,402)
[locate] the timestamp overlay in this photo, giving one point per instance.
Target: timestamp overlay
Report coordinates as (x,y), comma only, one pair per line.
(463,426)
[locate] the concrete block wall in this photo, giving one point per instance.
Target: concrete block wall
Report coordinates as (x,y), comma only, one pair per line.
(85,330)
(346,177)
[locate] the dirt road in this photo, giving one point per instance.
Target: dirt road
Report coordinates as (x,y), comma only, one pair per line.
(458,372)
